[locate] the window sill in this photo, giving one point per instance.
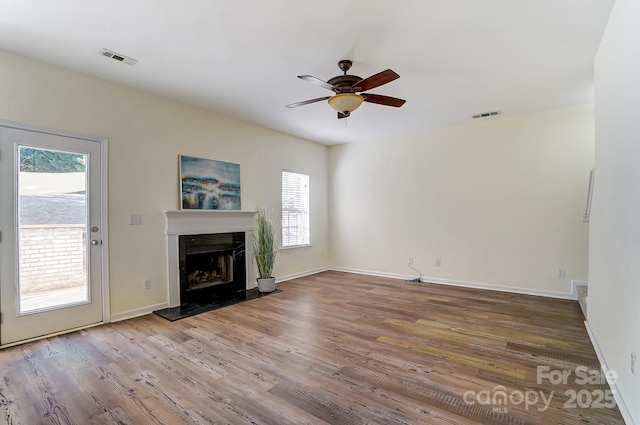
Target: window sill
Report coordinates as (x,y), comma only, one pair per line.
(285,248)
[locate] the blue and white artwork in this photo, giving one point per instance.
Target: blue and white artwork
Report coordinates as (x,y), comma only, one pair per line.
(206,184)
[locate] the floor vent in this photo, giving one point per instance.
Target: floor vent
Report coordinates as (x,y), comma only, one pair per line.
(486,114)
(117,56)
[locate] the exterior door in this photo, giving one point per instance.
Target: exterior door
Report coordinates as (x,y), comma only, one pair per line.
(51,224)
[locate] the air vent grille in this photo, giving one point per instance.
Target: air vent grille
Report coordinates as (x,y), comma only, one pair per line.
(486,114)
(117,56)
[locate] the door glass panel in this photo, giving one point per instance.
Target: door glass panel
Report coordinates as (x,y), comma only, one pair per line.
(52,229)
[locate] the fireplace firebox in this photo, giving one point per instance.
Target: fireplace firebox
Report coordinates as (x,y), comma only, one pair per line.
(211,266)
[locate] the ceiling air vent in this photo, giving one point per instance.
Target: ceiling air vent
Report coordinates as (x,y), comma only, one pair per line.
(486,114)
(118,57)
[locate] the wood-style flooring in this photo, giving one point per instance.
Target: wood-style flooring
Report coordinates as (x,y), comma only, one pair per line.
(332,348)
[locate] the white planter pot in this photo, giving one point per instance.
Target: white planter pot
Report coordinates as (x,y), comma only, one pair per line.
(266,285)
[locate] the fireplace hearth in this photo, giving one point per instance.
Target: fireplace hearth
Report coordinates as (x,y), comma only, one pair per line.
(191,309)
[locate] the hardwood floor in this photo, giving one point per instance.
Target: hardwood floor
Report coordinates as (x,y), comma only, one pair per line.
(331,348)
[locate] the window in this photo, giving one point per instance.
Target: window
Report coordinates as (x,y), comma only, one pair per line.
(295,209)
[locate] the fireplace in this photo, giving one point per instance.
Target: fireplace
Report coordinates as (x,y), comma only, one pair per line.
(184,225)
(209,261)
(211,266)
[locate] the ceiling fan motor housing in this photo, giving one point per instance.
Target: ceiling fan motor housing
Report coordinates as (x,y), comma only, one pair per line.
(345,83)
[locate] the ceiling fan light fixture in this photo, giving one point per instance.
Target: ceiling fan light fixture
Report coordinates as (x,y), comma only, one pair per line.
(345,102)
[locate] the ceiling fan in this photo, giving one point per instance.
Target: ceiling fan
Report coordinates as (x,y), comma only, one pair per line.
(348,90)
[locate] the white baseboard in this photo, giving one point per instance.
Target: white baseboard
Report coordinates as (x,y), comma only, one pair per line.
(137,312)
(626,415)
(301,274)
(476,285)
(372,273)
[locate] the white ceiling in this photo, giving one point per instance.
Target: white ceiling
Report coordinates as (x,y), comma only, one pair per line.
(240,58)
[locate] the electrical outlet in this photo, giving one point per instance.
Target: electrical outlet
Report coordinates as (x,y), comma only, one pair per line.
(135,219)
(561,273)
(147,284)
(437,262)
(633,363)
(410,260)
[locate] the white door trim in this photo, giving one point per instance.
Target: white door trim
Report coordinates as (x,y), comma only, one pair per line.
(104,218)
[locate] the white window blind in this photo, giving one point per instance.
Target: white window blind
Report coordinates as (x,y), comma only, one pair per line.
(295,209)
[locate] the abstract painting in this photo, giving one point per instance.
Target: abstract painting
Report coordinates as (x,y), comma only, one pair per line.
(206,184)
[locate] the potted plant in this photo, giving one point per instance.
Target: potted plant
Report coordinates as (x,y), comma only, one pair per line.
(265,250)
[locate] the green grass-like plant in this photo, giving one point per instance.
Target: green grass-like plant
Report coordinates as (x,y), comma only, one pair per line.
(265,246)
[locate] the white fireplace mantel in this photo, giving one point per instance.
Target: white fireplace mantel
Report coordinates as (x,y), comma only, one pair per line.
(194,222)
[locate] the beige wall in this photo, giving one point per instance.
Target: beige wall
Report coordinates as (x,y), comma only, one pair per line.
(614,244)
(499,201)
(146,133)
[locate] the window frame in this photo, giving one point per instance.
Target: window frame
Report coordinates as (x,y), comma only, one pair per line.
(283,210)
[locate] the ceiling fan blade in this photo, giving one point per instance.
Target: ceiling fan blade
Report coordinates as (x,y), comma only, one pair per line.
(306,102)
(319,82)
(376,80)
(383,100)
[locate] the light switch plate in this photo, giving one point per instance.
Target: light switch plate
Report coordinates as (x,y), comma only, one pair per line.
(135,218)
